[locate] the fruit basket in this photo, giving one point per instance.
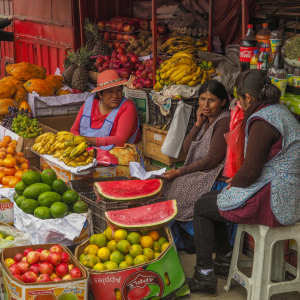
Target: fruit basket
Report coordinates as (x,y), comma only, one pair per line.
(85,189)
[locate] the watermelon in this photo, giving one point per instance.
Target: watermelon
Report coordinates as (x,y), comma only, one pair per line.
(145,217)
(128,190)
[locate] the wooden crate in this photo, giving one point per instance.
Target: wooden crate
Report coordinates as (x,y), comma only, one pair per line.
(153,139)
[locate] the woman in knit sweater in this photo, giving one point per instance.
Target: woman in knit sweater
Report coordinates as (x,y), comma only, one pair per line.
(263,191)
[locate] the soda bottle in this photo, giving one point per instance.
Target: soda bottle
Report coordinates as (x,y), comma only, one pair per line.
(263,38)
(247,47)
(278,61)
(266,65)
(254,59)
(260,60)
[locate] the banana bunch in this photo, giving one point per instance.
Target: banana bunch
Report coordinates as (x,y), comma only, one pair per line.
(75,140)
(44,143)
(208,67)
(183,43)
(83,159)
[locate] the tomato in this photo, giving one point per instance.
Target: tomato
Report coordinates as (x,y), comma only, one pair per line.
(10,171)
(12,183)
(9,162)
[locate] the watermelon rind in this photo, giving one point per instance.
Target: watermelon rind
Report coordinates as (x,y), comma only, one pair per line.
(124,219)
(119,184)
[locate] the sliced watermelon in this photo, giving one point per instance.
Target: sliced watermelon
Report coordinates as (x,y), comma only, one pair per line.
(145,217)
(128,190)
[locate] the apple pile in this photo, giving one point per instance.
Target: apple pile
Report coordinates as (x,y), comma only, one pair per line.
(42,265)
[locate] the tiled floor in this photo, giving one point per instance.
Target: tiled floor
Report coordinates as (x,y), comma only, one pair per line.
(237,292)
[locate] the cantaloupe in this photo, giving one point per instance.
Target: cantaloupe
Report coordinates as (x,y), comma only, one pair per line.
(26,71)
(40,86)
(56,81)
(62,92)
(20,95)
(13,80)
(7,89)
(5,103)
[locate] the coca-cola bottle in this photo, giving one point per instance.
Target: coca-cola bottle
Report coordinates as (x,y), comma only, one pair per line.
(247,47)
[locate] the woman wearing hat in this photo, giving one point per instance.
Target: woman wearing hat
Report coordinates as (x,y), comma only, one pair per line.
(112,120)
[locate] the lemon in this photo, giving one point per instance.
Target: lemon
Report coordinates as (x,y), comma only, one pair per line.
(2,235)
(135,250)
(117,257)
(120,235)
(112,245)
(124,246)
(103,254)
(99,267)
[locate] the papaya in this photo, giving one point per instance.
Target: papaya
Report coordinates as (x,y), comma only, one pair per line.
(5,103)
(26,71)
(20,95)
(25,105)
(40,86)
(7,89)
(13,80)
(36,189)
(55,81)
(62,92)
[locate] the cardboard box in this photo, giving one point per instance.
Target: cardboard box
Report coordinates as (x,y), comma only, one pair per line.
(59,123)
(17,290)
(6,211)
(161,278)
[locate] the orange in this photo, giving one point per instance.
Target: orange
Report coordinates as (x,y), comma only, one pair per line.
(9,156)
(11,150)
(24,166)
(2,155)
(3,149)
(7,139)
(6,180)
(10,171)
(15,142)
(12,183)
(3,145)
(20,154)
(2,169)
(21,160)
(2,175)
(147,242)
(9,162)
(25,170)
(1,163)
(154,235)
(12,145)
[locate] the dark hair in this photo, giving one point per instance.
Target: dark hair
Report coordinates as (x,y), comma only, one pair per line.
(217,89)
(257,84)
(97,96)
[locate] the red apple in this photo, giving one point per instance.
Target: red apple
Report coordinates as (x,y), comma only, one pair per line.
(71,267)
(113,26)
(101,25)
(113,36)
(23,266)
(139,85)
(133,73)
(144,24)
(53,275)
(149,70)
(75,273)
(101,69)
(123,46)
(35,269)
(122,50)
(18,257)
(141,68)
(124,58)
(29,277)
(46,268)
(100,61)
(56,279)
(124,73)
(44,255)
(130,54)
(43,278)
(148,83)
(135,82)
(106,65)
(137,65)
(150,76)
(67,277)
(134,59)
(128,28)
(33,257)
(108,25)
(144,74)
(102,34)
(56,248)
(54,258)
(120,26)
(126,20)
(110,45)
(134,24)
(62,270)
(114,58)
(14,265)
(26,251)
(39,250)
(107,36)
(126,37)
(129,65)
(116,45)
(24,259)
(161,29)
(116,19)
(132,38)
(15,271)
(138,74)
(119,37)
(18,277)
(65,257)
(114,54)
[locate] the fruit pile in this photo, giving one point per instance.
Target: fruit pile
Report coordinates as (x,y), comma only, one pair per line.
(42,265)
(46,197)
(183,44)
(6,237)
(12,164)
(108,251)
(181,69)
(66,147)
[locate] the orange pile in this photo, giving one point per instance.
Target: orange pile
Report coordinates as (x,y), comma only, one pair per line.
(12,164)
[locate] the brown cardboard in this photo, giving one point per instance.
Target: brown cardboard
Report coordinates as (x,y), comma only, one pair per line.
(32,168)
(59,123)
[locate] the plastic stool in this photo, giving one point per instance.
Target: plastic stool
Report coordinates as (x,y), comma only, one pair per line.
(268,263)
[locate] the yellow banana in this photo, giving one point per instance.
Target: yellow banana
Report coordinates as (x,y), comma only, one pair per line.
(80,158)
(63,133)
(179,75)
(42,151)
(198,75)
(191,70)
(211,71)
(46,139)
(182,54)
(58,153)
(167,74)
(91,153)
(76,140)
(66,160)
(52,139)
(36,146)
(47,146)
(72,164)
(186,79)
(86,153)
(179,71)
(89,160)
(79,150)
(42,136)
(81,163)
(182,61)
(67,152)
(194,82)
(204,78)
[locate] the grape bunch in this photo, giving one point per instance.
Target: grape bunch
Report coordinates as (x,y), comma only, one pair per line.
(22,123)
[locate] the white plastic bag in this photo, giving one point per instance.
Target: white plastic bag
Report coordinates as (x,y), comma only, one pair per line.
(174,139)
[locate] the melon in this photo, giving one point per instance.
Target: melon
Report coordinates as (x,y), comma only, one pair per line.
(151,216)
(40,86)
(128,190)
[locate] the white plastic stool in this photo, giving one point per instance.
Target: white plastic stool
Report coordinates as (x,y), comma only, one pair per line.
(268,263)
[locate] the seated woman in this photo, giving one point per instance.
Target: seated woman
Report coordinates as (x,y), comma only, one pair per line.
(264,191)
(111,121)
(205,146)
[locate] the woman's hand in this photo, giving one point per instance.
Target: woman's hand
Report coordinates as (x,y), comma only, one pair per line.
(171,174)
(91,140)
(229,184)
(200,118)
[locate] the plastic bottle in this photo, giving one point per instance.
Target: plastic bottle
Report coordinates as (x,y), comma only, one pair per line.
(278,61)
(260,60)
(275,39)
(281,80)
(263,38)
(247,47)
(254,59)
(290,75)
(296,78)
(266,64)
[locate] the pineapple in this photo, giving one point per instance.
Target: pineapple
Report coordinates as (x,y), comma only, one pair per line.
(67,74)
(100,47)
(90,31)
(80,77)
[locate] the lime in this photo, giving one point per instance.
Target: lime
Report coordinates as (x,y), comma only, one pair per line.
(29,206)
(31,177)
(112,245)
(16,196)
(129,259)
(19,200)
(100,240)
(92,239)
(109,233)
(124,265)
(133,238)
(99,267)
(104,254)
(80,207)
(140,259)
(123,246)
(149,253)
(117,257)
(120,235)
(70,197)
(59,210)
(135,250)
(162,240)
(43,213)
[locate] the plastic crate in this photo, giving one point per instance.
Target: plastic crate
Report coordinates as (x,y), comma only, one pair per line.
(156,117)
(85,189)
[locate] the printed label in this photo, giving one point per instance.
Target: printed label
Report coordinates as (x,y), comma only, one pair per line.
(246,53)
(259,65)
(264,45)
(158,137)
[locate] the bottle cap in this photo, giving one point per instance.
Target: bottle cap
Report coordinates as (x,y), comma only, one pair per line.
(250,26)
(265,24)
(256,51)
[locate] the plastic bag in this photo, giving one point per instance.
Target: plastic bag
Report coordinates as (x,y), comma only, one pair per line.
(126,154)
(104,158)
(235,140)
